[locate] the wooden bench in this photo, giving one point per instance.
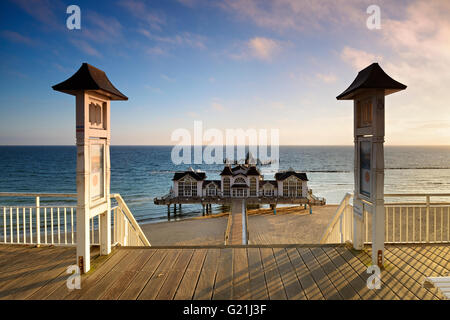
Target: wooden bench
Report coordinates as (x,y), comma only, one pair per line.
(442,283)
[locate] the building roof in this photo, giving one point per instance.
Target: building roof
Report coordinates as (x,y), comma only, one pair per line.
(253,171)
(372,77)
(216,182)
(226,171)
(199,176)
(272,182)
(286,174)
(89,78)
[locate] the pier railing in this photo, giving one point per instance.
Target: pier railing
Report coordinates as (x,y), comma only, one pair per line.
(54,223)
(413,218)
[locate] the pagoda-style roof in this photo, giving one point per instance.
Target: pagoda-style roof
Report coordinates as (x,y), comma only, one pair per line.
(89,78)
(372,77)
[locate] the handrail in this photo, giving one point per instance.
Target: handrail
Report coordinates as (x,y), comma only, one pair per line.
(405,222)
(340,210)
(43,195)
(123,206)
(31,224)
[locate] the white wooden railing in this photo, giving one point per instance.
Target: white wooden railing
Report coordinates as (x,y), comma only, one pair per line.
(56,224)
(340,228)
(405,222)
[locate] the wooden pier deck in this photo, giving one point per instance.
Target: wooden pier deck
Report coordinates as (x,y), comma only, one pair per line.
(223,272)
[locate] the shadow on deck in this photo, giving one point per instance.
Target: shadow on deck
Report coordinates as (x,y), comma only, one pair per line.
(232,272)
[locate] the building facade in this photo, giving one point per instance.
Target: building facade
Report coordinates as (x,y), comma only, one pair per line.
(240,181)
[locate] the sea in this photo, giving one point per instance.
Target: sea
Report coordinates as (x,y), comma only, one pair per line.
(141,173)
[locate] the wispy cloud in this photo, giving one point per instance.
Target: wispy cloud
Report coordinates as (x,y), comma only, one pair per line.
(261,48)
(167,78)
(141,11)
(183,39)
(359,58)
(156,51)
(43,11)
(101,28)
(326,78)
(85,47)
(16,37)
(216,106)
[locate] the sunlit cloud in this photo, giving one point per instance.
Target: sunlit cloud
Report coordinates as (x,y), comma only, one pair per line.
(359,59)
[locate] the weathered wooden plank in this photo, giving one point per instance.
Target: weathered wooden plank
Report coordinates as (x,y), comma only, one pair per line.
(118,272)
(189,282)
(127,274)
(339,281)
(273,279)
(156,281)
(175,275)
(435,254)
(294,290)
(241,282)
(360,268)
(205,285)
(412,278)
(430,267)
(89,279)
(312,291)
(23,282)
(388,278)
(319,276)
(353,278)
(258,286)
(223,286)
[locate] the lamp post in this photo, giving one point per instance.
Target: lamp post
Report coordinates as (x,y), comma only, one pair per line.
(93,92)
(368,92)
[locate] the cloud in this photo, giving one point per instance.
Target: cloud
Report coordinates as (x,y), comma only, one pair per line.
(217,106)
(140,10)
(183,39)
(101,28)
(167,78)
(43,11)
(157,51)
(260,48)
(282,15)
(359,59)
(85,47)
(16,37)
(326,78)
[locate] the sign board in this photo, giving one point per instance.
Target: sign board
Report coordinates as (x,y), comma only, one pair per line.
(365,172)
(97,176)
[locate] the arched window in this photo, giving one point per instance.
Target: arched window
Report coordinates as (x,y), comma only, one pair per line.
(292,187)
(240,180)
(226,187)
(187,187)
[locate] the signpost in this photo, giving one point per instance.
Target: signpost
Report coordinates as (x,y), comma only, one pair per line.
(368,92)
(93,92)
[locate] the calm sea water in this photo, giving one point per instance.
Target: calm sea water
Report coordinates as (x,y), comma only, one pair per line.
(141,173)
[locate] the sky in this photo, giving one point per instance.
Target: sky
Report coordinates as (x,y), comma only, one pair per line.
(249,64)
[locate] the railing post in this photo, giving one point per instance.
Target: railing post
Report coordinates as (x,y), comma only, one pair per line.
(38,222)
(358,223)
(427,224)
